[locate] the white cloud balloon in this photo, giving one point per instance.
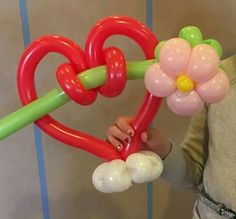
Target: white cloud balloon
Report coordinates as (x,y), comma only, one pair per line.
(117,175)
(112,177)
(144,166)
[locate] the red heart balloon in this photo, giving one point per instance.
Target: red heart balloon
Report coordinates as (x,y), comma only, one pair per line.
(94,56)
(147,41)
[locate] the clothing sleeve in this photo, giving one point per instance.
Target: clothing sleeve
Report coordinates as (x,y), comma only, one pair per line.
(185,163)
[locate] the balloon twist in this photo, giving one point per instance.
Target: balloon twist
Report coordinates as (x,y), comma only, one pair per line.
(116,79)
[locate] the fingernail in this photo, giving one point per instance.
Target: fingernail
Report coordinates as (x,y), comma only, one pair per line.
(145,136)
(130,133)
(127,140)
(119,147)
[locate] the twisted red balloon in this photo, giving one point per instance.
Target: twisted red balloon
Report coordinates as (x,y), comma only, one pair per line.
(66,77)
(116,73)
(79,61)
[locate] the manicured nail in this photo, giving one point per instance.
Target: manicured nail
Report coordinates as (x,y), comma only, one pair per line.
(119,147)
(130,133)
(145,137)
(127,140)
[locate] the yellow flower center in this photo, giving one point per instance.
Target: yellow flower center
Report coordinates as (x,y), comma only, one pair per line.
(184,83)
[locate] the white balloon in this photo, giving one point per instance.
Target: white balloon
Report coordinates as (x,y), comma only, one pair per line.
(112,177)
(144,166)
(117,175)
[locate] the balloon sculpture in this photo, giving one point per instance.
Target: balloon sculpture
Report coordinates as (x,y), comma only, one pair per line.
(186,71)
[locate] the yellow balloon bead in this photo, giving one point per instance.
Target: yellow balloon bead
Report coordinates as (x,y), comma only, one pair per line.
(184,83)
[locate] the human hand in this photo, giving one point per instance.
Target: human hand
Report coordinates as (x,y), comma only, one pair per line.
(121,132)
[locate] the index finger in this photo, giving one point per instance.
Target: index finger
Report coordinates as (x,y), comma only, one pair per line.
(124,124)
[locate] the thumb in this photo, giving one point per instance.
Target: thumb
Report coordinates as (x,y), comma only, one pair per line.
(155,141)
(148,139)
(151,138)
(144,137)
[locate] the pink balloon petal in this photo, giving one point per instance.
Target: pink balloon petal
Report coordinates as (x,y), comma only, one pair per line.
(185,104)
(174,56)
(157,82)
(214,90)
(203,63)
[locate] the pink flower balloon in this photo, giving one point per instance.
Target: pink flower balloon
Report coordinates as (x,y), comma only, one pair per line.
(185,104)
(174,56)
(157,82)
(187,77)
(214,90)
(203,63)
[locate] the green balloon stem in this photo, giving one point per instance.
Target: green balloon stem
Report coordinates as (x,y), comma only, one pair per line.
(91,78)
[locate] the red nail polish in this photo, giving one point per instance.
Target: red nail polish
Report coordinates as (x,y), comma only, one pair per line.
(130,133)
(127,140)
(119,147)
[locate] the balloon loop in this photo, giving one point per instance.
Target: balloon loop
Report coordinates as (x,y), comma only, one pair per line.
(66,77)
(116,73)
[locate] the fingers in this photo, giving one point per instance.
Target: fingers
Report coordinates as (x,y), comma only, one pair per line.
(156,141)
(151,138)
(116,132)
(145,141)
(120,133)
(123,124)
(144,137)
(117,137)
(116,143)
